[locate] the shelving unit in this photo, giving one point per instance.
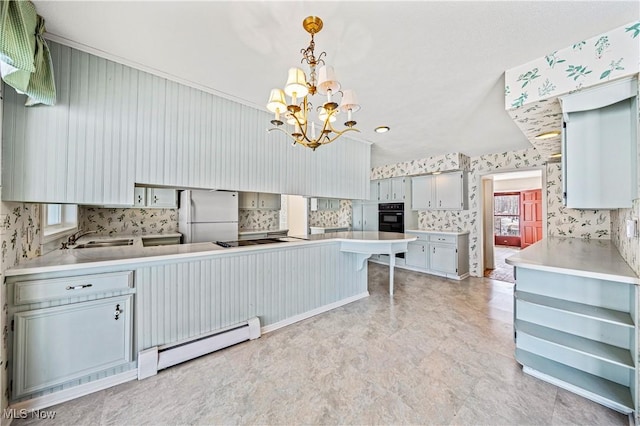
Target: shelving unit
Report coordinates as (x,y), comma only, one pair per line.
(579,333)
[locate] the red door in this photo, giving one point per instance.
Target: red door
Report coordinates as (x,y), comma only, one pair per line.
(530,217)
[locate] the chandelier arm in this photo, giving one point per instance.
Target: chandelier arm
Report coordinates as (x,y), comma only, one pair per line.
(295,140)
(338,134)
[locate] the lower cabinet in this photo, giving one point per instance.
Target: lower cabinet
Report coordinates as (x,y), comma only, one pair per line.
(88,332)
(416,254)
(579,333)
(439,254)
(56,345)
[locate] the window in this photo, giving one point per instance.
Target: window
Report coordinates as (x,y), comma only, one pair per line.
(58,220)
(506,214)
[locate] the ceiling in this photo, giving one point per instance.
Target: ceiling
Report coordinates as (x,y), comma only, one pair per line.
(432,71)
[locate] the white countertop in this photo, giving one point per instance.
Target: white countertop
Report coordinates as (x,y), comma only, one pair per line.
(434,231)
(75,259)
(574,256)
(328,227)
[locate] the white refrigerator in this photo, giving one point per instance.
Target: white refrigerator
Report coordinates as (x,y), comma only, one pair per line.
(208,216)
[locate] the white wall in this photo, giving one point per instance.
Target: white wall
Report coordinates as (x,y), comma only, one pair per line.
(517,184)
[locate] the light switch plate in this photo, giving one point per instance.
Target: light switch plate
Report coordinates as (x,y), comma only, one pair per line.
(632,228)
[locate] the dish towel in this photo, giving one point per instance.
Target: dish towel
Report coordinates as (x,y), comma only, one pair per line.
(25,60)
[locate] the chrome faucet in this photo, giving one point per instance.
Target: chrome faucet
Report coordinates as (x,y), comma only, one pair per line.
(73,238)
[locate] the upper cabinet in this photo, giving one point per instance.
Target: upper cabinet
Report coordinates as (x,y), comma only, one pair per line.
(322,204)
(114,126)
(165,198)
(259,200)
(599,145)
(389,190)
(445,191)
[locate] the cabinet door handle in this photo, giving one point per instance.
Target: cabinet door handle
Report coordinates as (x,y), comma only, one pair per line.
(116,314)
(423,249)
(139,198)
(440,203)
(434,250)
(155,198)
(78,287)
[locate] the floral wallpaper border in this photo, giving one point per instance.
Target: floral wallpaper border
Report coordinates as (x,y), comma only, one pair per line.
(453,161)
(586,63)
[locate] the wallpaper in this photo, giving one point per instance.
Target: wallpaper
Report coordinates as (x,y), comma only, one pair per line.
(561,221)
(113,221)
(454,161)
(564,222)
(586,63)
(254,220)
(20,235)
(628,247)
(531,89)
(326,218)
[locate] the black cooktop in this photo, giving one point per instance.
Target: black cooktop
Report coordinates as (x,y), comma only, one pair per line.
(229,244)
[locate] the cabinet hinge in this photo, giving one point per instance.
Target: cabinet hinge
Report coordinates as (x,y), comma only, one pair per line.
(456,250)
(12,324)
(11,386)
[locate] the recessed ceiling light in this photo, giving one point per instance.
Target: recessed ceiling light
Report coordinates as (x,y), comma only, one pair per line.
(556,155)
(436,173)
(382,129)
(548,135)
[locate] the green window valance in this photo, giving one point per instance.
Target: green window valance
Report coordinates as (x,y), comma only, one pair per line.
(25,61)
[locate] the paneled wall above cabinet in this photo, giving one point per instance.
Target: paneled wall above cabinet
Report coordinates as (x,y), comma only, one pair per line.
(445,191)
(258,200)
(83,149)
(113,126)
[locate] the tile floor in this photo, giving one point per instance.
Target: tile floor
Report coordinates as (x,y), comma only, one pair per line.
(438,352)
(502,271)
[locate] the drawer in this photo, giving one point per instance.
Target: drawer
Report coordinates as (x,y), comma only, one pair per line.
(443,238)
(61,288)
(420,237)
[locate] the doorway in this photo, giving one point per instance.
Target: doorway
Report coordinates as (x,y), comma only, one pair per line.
(513,218)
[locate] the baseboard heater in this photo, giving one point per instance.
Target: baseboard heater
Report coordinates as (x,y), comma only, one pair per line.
(152,360)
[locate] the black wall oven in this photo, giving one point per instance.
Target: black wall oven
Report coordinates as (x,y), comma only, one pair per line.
(391,217)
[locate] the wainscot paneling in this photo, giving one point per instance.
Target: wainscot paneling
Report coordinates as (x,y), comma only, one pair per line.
(185,300)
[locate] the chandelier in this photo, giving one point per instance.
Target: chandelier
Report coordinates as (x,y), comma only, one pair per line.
(297,113)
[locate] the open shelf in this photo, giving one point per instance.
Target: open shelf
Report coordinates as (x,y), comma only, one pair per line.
(599,350)
(597,389)
(588,311)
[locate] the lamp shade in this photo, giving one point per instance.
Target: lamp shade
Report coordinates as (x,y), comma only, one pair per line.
(322,115)
(277,101)
(349,101)
(296,83)
(327,80)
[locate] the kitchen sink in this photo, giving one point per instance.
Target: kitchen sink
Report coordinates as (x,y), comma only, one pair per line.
(108,243)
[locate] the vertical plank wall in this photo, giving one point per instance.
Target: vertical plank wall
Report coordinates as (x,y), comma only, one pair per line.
(184,300)
(114,126)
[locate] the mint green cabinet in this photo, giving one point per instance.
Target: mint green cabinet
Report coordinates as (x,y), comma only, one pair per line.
(63,343)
